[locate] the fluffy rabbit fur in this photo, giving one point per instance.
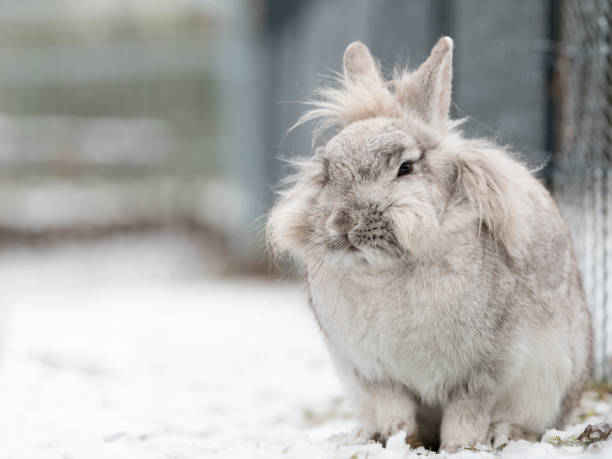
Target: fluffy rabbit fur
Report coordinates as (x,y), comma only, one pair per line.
(448,294)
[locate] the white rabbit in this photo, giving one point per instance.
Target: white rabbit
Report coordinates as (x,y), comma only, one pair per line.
(439,269)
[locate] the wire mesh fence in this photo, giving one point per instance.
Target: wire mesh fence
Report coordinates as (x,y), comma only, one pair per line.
(582,165)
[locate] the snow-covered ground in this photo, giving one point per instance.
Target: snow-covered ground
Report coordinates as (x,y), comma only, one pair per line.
(133,349)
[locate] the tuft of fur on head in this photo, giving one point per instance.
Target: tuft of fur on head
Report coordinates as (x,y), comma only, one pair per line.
(352,100)
(362,93)
(488,179)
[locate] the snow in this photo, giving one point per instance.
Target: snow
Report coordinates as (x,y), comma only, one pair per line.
(135,348)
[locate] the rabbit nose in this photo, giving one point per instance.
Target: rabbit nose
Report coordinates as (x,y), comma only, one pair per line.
(340,222)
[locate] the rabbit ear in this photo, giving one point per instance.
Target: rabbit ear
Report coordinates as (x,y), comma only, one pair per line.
(359,63)
(428,89)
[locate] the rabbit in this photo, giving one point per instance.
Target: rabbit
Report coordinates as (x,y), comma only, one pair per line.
(439,269)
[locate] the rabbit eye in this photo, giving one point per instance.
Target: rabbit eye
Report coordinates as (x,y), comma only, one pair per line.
(405,168)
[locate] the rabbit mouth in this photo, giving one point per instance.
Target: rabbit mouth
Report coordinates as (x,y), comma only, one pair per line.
(355,256)
(346,252)
(361,259)
(366,256)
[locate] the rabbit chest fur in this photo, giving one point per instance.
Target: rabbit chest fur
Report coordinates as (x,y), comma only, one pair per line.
(420,338)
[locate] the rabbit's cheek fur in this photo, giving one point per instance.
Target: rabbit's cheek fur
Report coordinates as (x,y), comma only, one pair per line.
(288,225)
(416,226)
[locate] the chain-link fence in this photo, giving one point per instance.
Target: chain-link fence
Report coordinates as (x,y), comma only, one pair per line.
(583,161)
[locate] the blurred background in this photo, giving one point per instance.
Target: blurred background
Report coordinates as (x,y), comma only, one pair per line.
(143,136)
(136,115)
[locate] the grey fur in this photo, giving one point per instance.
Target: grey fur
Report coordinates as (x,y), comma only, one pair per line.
(449,297)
